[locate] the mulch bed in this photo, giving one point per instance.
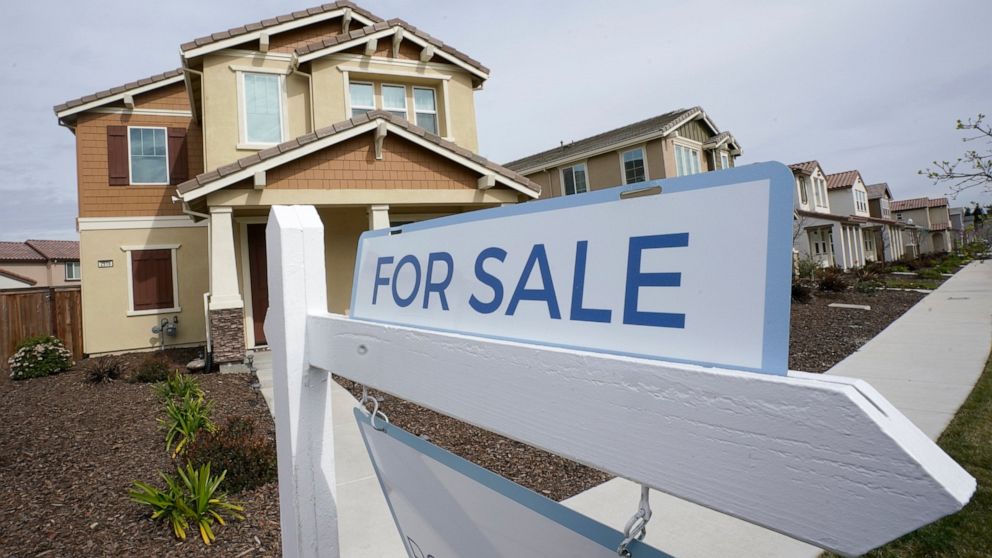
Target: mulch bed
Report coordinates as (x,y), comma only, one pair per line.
(71,449)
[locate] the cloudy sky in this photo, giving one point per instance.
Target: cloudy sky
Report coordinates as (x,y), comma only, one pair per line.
(874,86)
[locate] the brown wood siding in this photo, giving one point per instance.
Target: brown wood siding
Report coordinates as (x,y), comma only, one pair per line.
(97,198)
(694,131)
(384,48)
(28,312)
(352,165)
(295,38)
(151,279)
(172,97)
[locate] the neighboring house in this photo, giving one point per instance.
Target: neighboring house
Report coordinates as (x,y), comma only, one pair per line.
(927,221)
(39,263)
(819,233)
(882,224)
(849,197)
(677,143)
(371,121)
(956,215)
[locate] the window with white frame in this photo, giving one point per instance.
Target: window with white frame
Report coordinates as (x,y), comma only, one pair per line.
(153,282)
(724,160)
(361,96)
(149,159)
(425,108)
(394,100)
(262,104)
(686,160)
(883,204)
(72,271)
(820,185)
(633,166)
(573,179)
(801,182)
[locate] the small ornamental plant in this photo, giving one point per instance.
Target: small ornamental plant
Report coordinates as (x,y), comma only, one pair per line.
(39,356)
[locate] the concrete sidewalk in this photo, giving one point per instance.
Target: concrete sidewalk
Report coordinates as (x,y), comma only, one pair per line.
(925,363)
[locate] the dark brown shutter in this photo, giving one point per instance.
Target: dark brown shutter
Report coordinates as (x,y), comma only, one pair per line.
(178,166)
(151,279)
(117,156)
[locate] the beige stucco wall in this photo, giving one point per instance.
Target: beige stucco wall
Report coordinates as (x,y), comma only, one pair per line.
(330,86)
(46,275)
(106,325)
(222,109)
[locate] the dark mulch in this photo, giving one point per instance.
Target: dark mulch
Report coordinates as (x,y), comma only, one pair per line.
(69,451)
(822,336)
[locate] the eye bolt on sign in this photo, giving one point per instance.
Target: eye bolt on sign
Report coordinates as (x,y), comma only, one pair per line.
(697,272)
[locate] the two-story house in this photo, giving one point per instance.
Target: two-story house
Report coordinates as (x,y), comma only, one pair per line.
(818,233)
(927,221)
(677,143)
(371,121)
(882,224)
(39,263)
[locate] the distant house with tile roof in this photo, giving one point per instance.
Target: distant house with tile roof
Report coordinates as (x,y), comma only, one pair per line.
(929,221)
(39,263)
(370,120)
(677,143)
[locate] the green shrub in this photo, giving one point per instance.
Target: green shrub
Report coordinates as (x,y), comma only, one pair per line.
(831,279)
(806,268)
(152,369)
(868,287)
(106,369)
(898,267)
(184,419)
(178,386)
(39,356)
(192,496)
(928,274)
(245,454)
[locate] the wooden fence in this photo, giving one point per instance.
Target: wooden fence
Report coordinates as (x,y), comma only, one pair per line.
(26,312)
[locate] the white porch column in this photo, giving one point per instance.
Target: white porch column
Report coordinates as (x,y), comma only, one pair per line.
(378,217)
(840,249)
(859,238)
(224,291)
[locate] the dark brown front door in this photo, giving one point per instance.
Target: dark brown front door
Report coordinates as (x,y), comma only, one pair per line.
(259,279)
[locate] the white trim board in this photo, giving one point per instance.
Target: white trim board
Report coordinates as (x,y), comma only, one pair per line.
(124,223)
(120,96)
(143,112)
(348,57)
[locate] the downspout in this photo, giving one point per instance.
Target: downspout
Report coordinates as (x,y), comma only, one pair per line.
(203,144)
(294,68)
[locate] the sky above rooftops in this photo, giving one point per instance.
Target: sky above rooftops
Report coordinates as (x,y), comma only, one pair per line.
(873,86)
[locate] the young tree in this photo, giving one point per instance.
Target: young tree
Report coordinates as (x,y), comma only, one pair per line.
(974,167)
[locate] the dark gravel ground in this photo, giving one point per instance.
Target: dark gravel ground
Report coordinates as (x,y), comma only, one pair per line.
(69,450)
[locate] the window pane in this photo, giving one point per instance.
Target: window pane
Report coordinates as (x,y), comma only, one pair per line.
(394,98)
(263,118)
(361,95)
(580,179)
(724,161)
(423,99)
(569,180)
(148,156)
(679,166)
(633,166)
(427,122)
(694,157)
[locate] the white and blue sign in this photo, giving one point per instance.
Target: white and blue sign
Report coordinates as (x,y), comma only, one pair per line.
(445,506)
(694,269)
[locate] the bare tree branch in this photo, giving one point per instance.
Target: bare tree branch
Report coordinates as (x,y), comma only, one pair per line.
(973,168)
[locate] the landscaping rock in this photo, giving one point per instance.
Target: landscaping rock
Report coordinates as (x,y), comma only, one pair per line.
(196,365)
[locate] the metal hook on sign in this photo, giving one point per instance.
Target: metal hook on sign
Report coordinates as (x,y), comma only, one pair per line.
(637,526)
(376,411)
(365,396)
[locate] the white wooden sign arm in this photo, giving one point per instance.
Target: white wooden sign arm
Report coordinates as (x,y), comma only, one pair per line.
(304,432)
(827,461)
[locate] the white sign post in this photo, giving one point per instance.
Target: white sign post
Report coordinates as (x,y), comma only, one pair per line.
(822,459)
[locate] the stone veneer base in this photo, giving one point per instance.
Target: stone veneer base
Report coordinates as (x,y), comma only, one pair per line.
(227,335)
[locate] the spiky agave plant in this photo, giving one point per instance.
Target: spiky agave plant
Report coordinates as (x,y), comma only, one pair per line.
(169,504)
(178,386)
(184,418)
(207,502)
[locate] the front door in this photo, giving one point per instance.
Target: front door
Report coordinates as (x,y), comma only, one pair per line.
(259,279)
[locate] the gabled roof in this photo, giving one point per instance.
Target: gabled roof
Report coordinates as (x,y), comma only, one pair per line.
(16,277)
(656,126)
(356,37)
(19,252)
(807,167)
(114,94)
(285,152)
(938,202)
(904,205)
(876,191)
(251,31)
(840,180)
(60,250)
(720,139)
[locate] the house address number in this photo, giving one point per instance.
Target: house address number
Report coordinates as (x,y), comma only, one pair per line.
(104,263)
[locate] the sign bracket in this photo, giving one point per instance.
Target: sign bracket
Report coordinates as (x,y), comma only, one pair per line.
(637,527)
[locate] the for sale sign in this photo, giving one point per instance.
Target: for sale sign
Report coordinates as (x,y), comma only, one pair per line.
(694,269)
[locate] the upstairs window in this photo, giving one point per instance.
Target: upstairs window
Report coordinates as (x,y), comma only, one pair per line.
(573,179)
(686,160)
(394,100)
(883,203)
(72,271)
(425,107)
(820,188)
(801,183)
(149,162)
(633,166)
(724,160)
(263,108)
